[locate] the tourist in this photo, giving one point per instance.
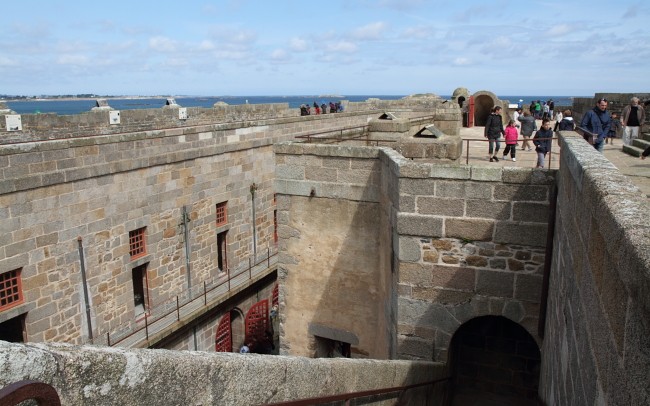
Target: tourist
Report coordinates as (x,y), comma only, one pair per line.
(596,122)
(614,129)
(565,123)
(316,108)
(558,117)
(546,111)
(528,127)
(493,131)
(511,141)
(551,108)
(323,108)
(538,110)
(632,119)
(515,117)
(543,140)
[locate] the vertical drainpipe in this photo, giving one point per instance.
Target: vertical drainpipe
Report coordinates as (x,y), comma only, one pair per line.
(85,288)
(253,189)
(186,234)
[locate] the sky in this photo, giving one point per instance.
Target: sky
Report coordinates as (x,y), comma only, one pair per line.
(312,47)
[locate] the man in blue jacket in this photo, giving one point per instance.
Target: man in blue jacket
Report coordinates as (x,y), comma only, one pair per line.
(597,122)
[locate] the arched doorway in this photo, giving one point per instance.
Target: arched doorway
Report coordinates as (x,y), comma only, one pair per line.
(229,336)
(483,105)
(494,361)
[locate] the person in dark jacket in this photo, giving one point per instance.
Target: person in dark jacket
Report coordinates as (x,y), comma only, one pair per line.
(567,123)
(528,127)
(597,122)
(493,131)
(645,153)
(543,140)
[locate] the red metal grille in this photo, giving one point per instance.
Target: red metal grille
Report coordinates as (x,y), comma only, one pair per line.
(223,339)
(257,321)
(11,292)
(137,243)
(222,213)
(274,299)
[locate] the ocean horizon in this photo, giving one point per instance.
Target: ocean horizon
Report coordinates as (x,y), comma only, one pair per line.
(76,106)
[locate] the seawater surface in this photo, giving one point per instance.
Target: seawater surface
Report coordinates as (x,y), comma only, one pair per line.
(76,106)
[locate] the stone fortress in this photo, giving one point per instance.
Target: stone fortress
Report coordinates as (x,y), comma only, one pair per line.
(358,233)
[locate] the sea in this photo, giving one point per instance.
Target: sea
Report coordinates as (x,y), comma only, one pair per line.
(76,106)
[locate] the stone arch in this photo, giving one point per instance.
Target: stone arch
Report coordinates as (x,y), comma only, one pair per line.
(492,357)
(237,321)
(484,101)
(460,95)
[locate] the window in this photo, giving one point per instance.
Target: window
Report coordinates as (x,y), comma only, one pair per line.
(11,293)
(137,243)
(222,213)
(140,299)
(13,330)
(222,260)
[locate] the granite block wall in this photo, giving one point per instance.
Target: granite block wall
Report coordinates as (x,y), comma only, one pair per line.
(597,332)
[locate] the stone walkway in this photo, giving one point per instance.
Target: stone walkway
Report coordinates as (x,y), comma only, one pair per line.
(637,170)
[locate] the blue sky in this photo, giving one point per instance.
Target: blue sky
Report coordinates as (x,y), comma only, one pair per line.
(287,47)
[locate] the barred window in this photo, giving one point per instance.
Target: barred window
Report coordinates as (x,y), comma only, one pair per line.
(222,213)
(137,243)
(11,292)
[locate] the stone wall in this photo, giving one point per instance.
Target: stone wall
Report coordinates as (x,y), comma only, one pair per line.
(469,243)
(108,376)
(333,249)
(597,329)
(464,241)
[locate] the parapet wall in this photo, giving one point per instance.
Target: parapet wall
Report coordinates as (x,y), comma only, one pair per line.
(598,324)
(107,376)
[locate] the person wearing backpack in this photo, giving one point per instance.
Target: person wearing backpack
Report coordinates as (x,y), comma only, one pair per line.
(493,131)
(528,127)
(567,123)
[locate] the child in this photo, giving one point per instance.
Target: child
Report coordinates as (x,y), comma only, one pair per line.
(542,140)
(613,129)
(511,141)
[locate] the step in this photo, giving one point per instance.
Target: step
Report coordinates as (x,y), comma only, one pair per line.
(643,144)
(645,136)
(631,150)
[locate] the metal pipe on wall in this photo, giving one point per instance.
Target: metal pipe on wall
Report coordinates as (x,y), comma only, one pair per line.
(82,262)
(186,235)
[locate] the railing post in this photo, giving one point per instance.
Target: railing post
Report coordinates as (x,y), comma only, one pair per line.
(250,274)
(178,311)
(205,295)
(228,270)
(146,326)
(467,153)
(108,338)
(268,257)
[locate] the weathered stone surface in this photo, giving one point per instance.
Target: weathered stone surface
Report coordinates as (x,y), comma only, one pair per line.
(418,225)
(469,229)
(493,283)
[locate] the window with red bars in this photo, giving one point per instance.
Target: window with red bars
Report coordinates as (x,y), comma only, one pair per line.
(11,292)
(137,243)
(222,213)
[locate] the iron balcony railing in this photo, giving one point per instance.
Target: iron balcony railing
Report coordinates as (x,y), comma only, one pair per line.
(158,318)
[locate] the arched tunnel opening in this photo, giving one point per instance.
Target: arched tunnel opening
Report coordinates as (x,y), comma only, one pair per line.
(483,105)
(494,361)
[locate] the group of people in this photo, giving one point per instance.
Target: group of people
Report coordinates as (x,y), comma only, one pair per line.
(541,110)
(598,126)
(305,110)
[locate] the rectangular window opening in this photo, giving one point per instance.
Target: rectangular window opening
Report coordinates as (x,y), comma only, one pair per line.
(140,291)
(222,259)
(137,243)
(13,330)
(222,214)
(11,291)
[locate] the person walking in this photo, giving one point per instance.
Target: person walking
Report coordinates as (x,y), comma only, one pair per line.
(597,122)
(543,141)
(632,118)
(528,127)
(614,129)
(511,141)
(645,153)
(566,123)
(493,131)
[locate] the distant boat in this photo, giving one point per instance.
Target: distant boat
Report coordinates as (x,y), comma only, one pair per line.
(332,96)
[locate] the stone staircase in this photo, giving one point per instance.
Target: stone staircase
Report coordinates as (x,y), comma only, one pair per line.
(638,145)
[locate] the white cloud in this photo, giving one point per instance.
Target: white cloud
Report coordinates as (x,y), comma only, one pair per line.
(298,44)
(69,59)
(162,44)
(370,32)
(417,32)
(279,55)
(559,30)
(4,61)
(206,45)
(461,61)
(344,47)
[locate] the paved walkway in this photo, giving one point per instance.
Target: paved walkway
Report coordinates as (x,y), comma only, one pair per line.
(637,170)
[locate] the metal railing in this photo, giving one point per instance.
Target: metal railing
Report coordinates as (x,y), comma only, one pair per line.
(18,392)
(160,317)
(550,152)
(346,397)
